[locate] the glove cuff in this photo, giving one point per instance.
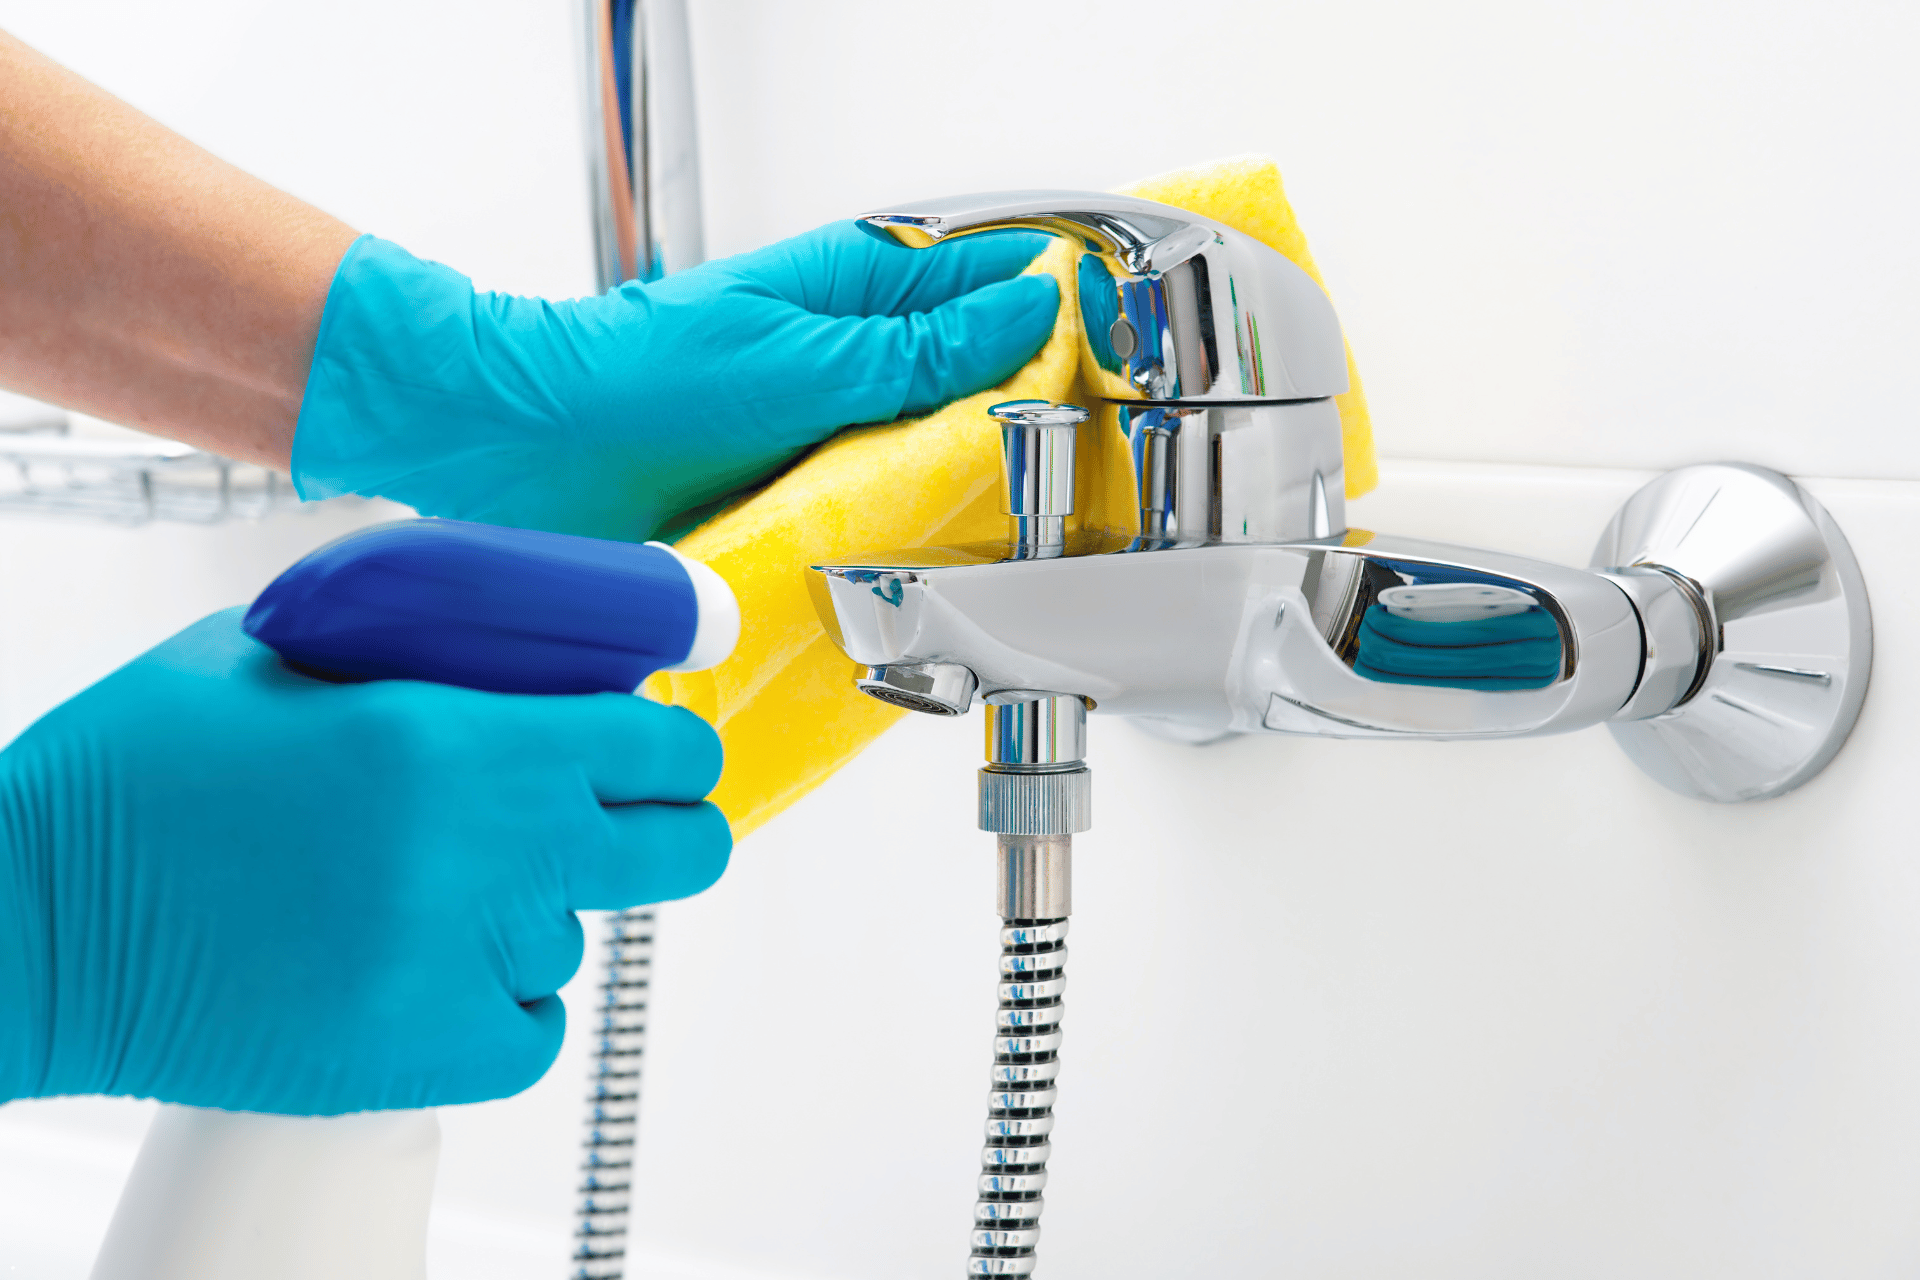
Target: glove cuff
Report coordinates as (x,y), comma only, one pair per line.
(414,377)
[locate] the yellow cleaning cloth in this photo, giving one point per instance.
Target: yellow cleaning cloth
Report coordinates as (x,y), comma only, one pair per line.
(784,703)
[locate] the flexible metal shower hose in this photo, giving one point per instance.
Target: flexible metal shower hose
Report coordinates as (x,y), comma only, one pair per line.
(613,1106)
(1026,1062)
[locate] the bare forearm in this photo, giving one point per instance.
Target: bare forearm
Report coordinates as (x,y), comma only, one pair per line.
(146,281)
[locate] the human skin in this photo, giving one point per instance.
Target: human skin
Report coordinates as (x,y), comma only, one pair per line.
(146,281)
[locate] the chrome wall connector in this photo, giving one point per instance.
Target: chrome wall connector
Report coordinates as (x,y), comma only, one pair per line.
(1769,621)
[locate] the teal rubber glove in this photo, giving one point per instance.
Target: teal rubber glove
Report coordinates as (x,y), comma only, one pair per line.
(610,416)
(228,885)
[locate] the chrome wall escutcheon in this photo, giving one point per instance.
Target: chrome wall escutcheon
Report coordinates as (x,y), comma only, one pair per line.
(1789,643)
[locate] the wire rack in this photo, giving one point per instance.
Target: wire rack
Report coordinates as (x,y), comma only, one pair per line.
(47,470)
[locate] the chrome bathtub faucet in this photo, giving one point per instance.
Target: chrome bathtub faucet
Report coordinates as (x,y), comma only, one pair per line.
(1721,632)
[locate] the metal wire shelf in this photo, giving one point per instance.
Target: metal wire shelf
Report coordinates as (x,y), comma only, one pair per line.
(46,470)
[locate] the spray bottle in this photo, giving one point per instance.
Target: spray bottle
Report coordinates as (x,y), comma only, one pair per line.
(219,1195)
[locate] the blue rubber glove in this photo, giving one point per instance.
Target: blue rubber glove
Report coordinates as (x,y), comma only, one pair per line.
(609,416)
(228,885)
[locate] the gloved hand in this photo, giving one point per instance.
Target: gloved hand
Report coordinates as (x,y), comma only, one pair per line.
(609,416)
(228,885)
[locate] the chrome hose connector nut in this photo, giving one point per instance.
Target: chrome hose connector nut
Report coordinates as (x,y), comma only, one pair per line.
(1026,802)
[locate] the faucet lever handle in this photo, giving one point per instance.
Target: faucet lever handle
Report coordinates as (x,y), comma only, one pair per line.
(1036,474)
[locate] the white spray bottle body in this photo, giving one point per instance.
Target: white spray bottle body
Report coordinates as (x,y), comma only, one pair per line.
(231,1195)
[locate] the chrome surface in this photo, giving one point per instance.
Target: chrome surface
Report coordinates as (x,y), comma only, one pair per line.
(1054,802)
(1234,473)
(1035,793)
(932,688)
(1789,633)
(1247,637)
(1217,359)
(45,470)
(1175,306)
(1037,441)
(1020,1121)
(1370,635)
(1034,880)
(1676,640)
(643,159)
(1036,731)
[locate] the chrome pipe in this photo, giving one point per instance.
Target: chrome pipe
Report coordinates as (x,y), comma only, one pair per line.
(643,154)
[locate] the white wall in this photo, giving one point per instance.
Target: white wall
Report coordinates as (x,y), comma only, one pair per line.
(1339,1010)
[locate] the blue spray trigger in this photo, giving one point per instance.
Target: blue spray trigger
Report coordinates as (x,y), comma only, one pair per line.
(505,610)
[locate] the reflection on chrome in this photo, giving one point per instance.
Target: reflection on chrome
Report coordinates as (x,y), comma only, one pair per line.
(643,160)
(1458,635)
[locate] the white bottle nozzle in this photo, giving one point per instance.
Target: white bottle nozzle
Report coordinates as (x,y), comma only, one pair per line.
(718,629)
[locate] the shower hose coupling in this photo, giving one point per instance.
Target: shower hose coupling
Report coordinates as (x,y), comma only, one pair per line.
(1036,792)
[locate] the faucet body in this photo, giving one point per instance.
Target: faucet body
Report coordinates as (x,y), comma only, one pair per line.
(1249,638)
(1234,599)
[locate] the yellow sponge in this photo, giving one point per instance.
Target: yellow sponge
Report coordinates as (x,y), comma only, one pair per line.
(784,703)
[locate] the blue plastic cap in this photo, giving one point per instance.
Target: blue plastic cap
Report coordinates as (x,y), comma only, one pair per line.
(507,610)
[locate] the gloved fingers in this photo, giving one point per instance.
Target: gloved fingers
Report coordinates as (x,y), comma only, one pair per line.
(629,749)
(841,270)
(875,369)
(653,853)
(979,339)
(542,955)
(529,1042)
(474,1048)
